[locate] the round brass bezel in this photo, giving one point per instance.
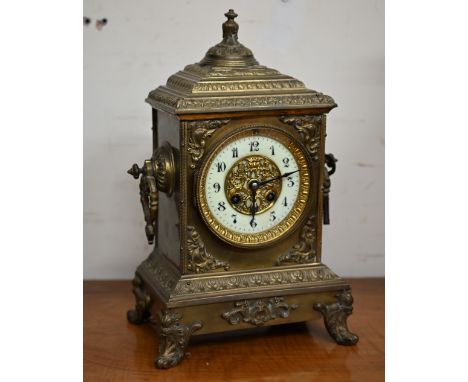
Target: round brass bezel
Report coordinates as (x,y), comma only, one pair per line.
(298,212)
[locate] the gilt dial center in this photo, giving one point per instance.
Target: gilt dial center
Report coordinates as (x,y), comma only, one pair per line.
(245,181)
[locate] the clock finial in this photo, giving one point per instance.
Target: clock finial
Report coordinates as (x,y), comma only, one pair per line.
(230,27)
(231,15)
(229,52)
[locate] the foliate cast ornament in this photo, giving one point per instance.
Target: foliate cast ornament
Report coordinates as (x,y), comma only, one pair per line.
(265,101)
(258,312)
(165,99)
(199,132)
(242,86)
(174,337)
(156,174)
(149,202)
(304,251)
(243,282)
(159,98)
(159,273)
(309,127)
(237,183)
(230,78)
(224,51)
(219,85)
(219,71)
(335,316)
(142,310)
(215,83)
(198,258)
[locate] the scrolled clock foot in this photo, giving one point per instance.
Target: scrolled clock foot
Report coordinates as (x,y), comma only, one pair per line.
(335,316)
(142,310)
(173,339)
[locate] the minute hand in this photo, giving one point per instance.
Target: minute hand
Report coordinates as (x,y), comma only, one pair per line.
(276,178)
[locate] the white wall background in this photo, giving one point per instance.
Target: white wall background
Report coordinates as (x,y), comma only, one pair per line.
(334,46)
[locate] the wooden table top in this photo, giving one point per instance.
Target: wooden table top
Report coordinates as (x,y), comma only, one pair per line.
(115,350)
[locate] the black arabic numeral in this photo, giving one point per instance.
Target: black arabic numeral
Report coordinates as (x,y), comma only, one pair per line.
(235,152)
(272,216)
(272,148)
(290,182)
(285,202)
(234,218)
(254,146)
(217,187)
(286,162)
(221,166)
(221,206)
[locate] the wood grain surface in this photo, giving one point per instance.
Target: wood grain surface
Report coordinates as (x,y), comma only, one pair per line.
(115,350)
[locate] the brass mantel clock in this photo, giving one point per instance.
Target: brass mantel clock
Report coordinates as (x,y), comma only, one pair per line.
(234,198)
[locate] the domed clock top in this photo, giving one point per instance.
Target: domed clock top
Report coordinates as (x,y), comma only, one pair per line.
(229,78)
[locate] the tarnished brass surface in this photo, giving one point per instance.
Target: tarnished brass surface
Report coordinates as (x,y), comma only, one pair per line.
(177,324)
(157,174)
(200,131)
(199,260)
(142,310)
(262,311)
(256,257)
(335,315)
(174,337)
(309,127)
(229,52)
(258,312)
(203,277)
(165,168)
(175,289)
(304,251)
(169,216)
(148,196)
(229,78)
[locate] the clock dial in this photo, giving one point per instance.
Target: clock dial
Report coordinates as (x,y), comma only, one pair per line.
(254,187)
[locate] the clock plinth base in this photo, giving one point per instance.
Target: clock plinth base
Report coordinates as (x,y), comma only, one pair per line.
(179,306)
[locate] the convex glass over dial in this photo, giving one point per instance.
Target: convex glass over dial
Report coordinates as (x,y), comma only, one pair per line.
(253,187)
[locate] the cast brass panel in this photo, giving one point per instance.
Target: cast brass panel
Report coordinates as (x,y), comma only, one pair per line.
(258,312)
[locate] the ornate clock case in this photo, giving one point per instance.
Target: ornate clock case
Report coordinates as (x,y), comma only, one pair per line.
(202,276)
